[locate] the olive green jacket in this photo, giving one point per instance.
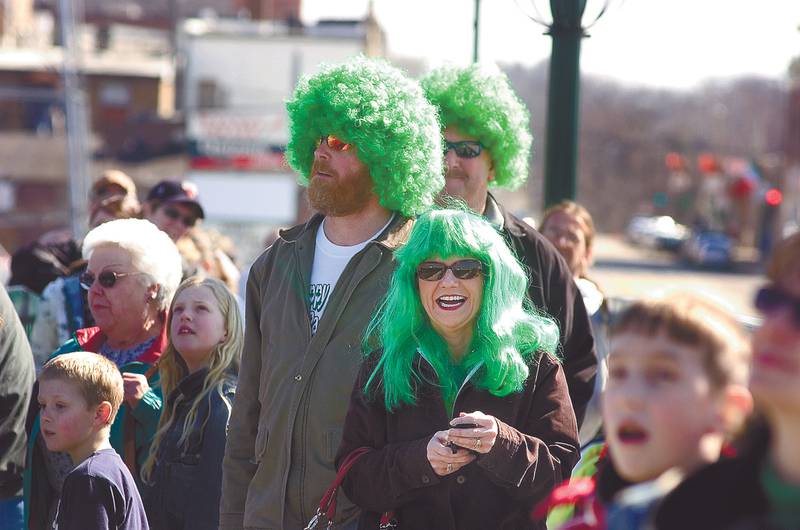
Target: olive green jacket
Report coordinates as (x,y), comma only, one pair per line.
(294,388)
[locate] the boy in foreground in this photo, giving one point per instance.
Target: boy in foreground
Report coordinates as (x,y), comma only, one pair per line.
(79,395)
(676,392)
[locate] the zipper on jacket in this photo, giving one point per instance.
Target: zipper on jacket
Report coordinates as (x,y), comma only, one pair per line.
(466,380)
(471,373)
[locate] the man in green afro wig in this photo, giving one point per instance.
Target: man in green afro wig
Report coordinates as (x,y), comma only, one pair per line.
(487,143)
(368,145)
(384,115)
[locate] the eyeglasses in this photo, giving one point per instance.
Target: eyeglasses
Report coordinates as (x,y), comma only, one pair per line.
(464,149)
(334,143)
(771,299)
(174,214)
(465,269)
(107,279)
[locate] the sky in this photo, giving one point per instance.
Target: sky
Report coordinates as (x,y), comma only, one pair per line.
(655,43)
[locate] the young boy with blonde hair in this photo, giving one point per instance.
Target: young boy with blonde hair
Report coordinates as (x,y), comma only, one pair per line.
(79,395)
(676,392)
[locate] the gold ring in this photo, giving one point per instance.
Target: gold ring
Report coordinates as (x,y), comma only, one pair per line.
(449,468)
(477,443)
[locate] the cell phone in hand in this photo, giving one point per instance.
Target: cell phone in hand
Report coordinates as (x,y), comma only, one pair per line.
(455,447)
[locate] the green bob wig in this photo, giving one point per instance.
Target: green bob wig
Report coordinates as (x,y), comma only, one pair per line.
(369,103)
(480,102)
(507,336)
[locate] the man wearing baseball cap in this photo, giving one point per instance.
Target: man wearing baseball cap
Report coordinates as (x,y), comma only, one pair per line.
(174,207)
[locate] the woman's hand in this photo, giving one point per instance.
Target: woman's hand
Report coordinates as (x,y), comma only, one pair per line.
(135,386)
(442,458)
(479,439)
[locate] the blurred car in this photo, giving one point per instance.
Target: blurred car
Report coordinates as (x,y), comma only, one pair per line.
(660,232)
(709,249)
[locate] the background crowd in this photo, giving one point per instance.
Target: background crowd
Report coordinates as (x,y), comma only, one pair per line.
(451,365)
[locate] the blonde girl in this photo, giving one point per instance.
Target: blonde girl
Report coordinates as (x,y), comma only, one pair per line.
(183,473)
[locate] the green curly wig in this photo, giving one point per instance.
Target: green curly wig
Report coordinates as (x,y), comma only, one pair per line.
(480,102)
(369,103)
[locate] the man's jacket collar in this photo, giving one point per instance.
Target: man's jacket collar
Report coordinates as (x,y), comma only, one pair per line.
(493,213)
(395,235)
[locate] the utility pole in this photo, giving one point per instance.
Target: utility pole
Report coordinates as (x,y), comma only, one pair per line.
(70,13)
(476,33)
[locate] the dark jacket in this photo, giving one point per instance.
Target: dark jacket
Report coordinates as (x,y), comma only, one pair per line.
(552,289)
(184,489)
(726,495)
(536,447)
(16,382)
(38,492)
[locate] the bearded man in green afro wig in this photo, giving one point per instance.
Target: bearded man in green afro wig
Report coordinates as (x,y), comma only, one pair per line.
(367,143)
(487,143)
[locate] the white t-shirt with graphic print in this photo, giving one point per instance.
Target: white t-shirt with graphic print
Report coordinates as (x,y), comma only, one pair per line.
(329,263)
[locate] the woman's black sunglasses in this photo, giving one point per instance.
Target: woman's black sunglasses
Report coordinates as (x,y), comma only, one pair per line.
(107,279)
(464,269)
(771,299)
(464,149)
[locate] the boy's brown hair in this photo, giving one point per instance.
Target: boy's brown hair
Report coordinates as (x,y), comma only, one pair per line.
(694,322)
(97,378)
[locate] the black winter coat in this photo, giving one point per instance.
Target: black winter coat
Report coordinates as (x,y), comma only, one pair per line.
(184,490)
(536,448)
(552,289)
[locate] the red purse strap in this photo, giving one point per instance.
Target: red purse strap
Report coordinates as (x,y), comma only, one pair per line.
(327,505)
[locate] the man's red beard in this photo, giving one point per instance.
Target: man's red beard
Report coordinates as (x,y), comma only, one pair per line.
(339,195)
(455,173)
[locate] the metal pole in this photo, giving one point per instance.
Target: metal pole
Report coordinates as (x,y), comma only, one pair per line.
(476,34)
(71,11)
(561,158)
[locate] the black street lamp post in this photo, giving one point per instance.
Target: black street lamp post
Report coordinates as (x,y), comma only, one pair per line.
(563,95)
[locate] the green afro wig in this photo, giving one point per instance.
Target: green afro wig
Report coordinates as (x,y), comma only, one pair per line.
(369,103)
(479,101)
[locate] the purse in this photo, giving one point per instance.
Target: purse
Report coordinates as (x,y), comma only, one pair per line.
(327,506)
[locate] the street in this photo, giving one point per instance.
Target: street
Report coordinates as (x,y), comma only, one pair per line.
(623,270)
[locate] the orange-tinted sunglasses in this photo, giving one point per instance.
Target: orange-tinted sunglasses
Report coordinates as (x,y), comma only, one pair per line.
(334,143)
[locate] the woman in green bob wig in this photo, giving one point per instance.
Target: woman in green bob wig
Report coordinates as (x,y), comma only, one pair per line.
(462,400)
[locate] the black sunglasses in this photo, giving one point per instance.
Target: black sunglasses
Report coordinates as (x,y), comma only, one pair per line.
(771,299)
(465,269)
(174,214)
(107,279)
(464,149)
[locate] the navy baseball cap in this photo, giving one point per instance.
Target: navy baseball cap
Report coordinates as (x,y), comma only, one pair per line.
(184,192)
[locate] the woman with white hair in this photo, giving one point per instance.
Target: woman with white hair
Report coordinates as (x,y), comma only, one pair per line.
(132,273)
